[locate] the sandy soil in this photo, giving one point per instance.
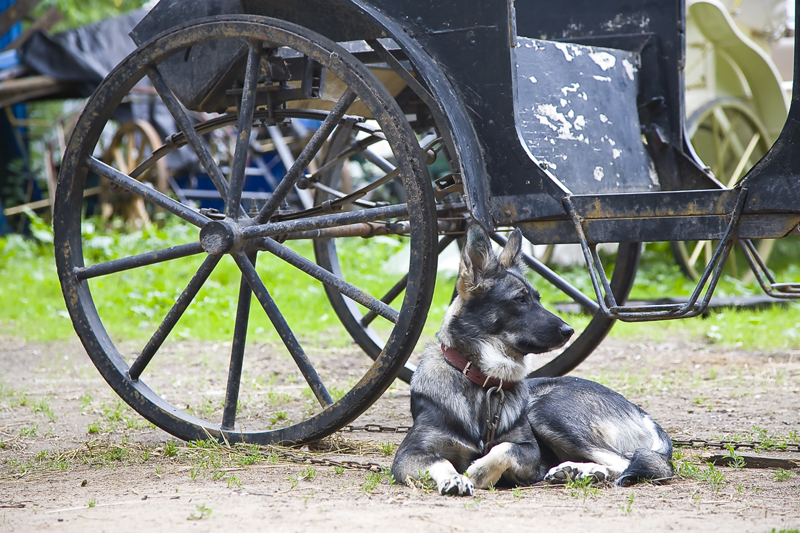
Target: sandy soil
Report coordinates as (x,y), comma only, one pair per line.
(73,459)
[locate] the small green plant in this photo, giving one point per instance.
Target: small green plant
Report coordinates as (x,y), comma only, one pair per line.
(28,432)
(582,487)
(426,482)
(713,477)
(516,492)
(85,400)
(387,448)
(234,481)
(629,506)
(92,502)
(782,475)
(280,416)
(170,449)
(292,481)
(308,473)
(472,504)
(338,470)
(687,470)
(202,512)
(43,406)
(736,460)
(373,479)
(94,428)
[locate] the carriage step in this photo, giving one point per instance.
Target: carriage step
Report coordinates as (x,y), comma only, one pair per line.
(643,313)
(782,291)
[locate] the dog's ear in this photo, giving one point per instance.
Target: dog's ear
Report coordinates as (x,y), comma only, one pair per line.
(477,262)
(511,253)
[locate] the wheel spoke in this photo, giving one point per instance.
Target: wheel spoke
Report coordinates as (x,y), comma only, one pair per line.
(397,289)
(744,161)
(174,314)
(136,261)
(309,151)
(329,279)
(246,109)
(554,279)
(237,352)
(192,138)
(300,358)
(148,193)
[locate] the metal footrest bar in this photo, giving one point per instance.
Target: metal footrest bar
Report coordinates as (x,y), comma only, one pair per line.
(784,291)
(644,313)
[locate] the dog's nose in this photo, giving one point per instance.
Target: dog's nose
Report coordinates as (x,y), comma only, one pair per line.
(566,331)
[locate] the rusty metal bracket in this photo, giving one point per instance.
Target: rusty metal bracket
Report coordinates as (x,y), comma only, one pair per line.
(644,313)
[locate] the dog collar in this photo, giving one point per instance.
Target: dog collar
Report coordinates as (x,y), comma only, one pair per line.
(472,372)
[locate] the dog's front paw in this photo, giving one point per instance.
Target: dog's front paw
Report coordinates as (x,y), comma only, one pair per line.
(566,472)
(457,485)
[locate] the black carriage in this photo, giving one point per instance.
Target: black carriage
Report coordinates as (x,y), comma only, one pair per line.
(566,123)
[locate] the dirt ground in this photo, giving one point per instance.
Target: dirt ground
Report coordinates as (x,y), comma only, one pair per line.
(73,459)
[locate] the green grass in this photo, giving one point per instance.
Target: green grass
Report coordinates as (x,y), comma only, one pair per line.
(132,304)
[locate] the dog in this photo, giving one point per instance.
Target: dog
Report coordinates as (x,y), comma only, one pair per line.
(479,420)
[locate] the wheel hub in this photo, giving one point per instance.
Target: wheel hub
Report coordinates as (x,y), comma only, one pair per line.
(221,236)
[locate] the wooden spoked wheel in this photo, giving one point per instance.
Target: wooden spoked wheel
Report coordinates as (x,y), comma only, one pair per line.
(286,393)
(729,138)
(132,143)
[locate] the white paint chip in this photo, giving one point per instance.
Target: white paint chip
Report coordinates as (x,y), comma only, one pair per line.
(604,60)
(629,68)
(533,80)
(602,78)
(598,173)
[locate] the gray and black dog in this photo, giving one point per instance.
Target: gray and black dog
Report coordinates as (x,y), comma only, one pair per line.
(478,419)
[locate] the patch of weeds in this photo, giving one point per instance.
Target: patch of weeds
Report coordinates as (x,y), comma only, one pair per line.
(92,502)
(293,481)
(582,487)
(713,477)
(249,459)
(202,512)
(516,492)
(115,413)
(277,399)
(373,479)
(387,448)
(338,470)
(85,400)
(94,428)
(43,407)
(628,507)
(308,473)
(686,470)
(234,481)
(171,449)
(473,503)
(782,475)
(426,482)
(273,457)
(280,416)
(736,460)
(308,497)
(116,453)
(28,432)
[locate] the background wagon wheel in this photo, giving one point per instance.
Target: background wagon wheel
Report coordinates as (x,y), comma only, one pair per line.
(136,373)
(132,143)
(729,138)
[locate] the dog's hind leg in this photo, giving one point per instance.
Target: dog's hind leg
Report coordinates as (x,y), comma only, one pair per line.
(646,464)
(570,471)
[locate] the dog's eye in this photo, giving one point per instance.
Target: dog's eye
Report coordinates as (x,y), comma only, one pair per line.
(520,299)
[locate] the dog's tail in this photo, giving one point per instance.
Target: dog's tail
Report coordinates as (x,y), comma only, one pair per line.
(646,465)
